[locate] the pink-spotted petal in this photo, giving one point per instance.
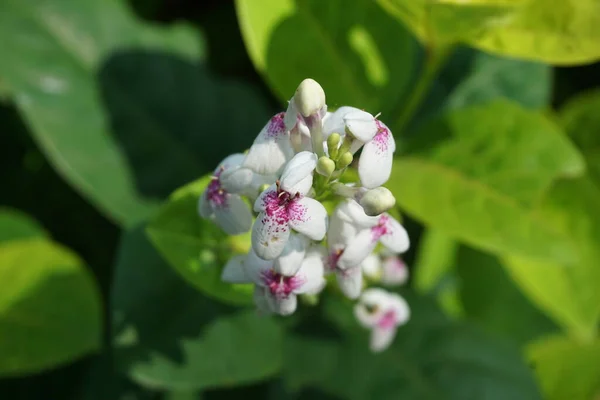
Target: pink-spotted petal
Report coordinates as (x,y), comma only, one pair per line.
(375,163)
(266,198)
(271,149)
(362,125)
(299,167)
(234,217)
(282,305)
(357,249)
(204,208)
(234,271)
(396,238)
(255,268)
(290,260)
(308,217)
(350,281)
(381,338)
(270,233)
(311,274)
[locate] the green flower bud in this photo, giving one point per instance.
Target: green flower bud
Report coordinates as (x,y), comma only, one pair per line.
(333,141)
(325,166)
(345,160)
(377,201)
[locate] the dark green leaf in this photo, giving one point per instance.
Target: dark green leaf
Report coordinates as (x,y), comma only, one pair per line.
(15,225)
(170,336)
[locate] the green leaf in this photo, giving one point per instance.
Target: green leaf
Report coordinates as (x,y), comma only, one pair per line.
(435,258)
(50,65)
(430,358)
(197,248)
(16,225)
(50,307)
(581,121)
(359,54)
(169,336)
(490,298)
(566,369)
(568,292)
(474,176)
(563,32)
(448,21)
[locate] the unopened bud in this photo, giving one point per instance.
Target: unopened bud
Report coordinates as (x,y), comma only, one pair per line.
(345,160)
(333,142)
(325,166)
(309,97)
(377,201)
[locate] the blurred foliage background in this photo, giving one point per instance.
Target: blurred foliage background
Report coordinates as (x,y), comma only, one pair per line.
(107,107)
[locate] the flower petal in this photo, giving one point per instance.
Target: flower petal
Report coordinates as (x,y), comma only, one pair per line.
(232,160)
(311,273)
(362,125)
(269,236)
(350,281)
(357,250)
(290,260)
(271,149)
(334,122)
(266,198)
(234,271)
(372,306)
(282,305)
(339,232)
(371,266)
(291,115)
(204,208)
(255,268)
(401,309)
(308,217)
(394,271)
(381,338)
(353,213)
(234,217)
(299,167)
(236,179)
(396,238)
(375,163)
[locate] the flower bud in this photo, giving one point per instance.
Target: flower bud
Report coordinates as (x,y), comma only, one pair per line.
(325,166)
(345,160)
(309,97)
(333,141)
(377,201)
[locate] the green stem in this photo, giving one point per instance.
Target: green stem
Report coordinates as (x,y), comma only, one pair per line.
(434,60)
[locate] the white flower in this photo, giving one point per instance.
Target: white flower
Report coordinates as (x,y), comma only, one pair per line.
(271,149)
(285,206)
(375,163)
(226,209)
(382,312)
(359,123)
(389,270)
(370,231)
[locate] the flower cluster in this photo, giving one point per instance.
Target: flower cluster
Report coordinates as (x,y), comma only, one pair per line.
(278,190)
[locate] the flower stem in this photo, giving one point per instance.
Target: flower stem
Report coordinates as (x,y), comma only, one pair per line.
(434,60)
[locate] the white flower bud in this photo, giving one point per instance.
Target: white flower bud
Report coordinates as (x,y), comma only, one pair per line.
(309,97)
(377,201)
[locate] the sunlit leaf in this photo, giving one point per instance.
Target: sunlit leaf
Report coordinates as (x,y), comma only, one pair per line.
(15,225)
(50,310)
(359,54)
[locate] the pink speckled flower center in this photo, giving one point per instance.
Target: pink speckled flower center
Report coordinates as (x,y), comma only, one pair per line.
(279,285)
(276,125)
(283,207)
(388,320)
(381,139)
(215,193)
(333,258)
(381,228)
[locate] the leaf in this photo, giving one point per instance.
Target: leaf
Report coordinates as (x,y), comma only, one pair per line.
(197,248)
(568,292)
(50,65)
(430,358)
(436,257)
(563,32)
(581,120)
(449,21)
(16,225)
(50,308)
(169,336)
(566,369)
(490,298)
(360,55)
(479,177)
